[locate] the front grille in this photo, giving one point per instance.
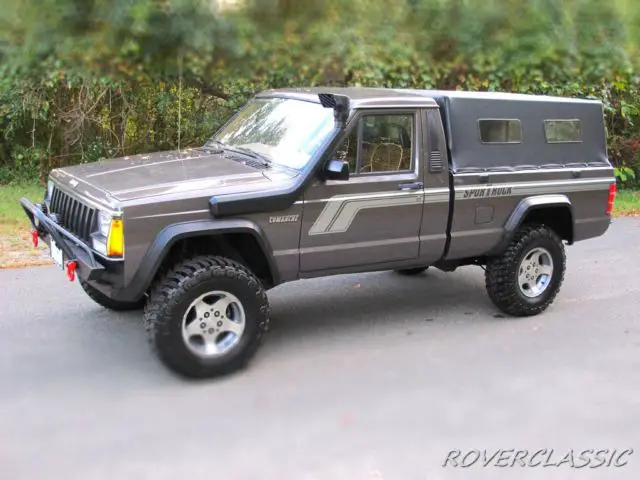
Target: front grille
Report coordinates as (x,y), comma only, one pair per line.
(74,215)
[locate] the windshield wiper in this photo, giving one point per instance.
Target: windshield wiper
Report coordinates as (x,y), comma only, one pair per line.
(255,155)
(242,150)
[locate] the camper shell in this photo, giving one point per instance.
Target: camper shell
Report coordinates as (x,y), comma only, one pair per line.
(545,132)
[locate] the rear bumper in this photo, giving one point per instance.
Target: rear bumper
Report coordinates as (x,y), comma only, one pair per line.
(103,274)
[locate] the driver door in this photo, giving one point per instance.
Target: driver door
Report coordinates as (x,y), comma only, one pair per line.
(374,217)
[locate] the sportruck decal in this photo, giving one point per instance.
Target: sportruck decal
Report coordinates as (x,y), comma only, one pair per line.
(488,192)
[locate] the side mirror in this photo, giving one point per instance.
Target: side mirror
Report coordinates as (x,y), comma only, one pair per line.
(337,170)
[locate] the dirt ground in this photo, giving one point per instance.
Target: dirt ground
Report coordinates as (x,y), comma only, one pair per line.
(16,250)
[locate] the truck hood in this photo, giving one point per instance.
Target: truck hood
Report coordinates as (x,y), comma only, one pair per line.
(164,173)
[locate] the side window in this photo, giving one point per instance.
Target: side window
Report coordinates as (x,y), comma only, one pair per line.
(384,144)
(563,131)
(500,130)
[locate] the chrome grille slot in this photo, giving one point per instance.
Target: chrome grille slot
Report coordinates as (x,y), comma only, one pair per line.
(74,215)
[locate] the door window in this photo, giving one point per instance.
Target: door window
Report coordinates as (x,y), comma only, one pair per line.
(380,143)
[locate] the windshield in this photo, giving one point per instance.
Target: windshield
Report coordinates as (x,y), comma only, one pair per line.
(284,131)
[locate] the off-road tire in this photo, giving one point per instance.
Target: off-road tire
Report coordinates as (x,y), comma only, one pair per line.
(501,276)
(106,302)
(410,272)
(171,295)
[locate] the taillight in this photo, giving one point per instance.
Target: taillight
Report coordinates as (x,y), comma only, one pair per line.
(612,198)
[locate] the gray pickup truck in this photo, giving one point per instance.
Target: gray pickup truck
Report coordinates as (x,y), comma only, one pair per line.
(305,183)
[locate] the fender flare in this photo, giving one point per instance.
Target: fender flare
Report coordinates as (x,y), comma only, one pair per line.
(171,234)
(527,205)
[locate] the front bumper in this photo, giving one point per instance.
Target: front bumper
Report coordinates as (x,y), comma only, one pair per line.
(73,249)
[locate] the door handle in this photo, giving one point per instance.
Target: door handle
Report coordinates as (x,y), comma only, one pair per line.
(411,186)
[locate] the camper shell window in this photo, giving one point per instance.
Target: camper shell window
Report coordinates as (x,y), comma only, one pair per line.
(563,131)
(493,130)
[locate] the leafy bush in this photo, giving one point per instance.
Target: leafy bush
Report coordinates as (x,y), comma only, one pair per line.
(103,78)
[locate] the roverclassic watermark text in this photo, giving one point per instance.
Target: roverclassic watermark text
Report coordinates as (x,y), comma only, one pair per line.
(589,458)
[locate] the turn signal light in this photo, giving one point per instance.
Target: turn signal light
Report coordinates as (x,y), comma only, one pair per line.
(612,198)
(115,241)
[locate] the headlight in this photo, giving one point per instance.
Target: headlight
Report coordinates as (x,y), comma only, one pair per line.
(109,237)
(49,190)
(104,224)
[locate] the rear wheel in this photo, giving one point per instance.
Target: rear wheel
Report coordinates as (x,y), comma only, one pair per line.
(527,277)
(101,299)
(207,317)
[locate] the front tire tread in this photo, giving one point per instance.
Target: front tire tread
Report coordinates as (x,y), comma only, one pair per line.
(176,285)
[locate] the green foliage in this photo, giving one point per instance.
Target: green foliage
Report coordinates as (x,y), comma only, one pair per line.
(627,203)
(624,173)
(11,212)
(87,79)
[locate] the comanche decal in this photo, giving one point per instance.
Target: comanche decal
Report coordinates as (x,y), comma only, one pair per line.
(284,219)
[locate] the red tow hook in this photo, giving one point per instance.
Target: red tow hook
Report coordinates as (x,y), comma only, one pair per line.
(71,270)
(34,237)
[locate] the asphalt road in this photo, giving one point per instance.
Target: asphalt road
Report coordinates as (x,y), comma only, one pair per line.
(370,376)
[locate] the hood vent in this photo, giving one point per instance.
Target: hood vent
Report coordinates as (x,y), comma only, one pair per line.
(255,164)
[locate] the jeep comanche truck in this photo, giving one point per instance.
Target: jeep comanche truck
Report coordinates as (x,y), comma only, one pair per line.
(304,183)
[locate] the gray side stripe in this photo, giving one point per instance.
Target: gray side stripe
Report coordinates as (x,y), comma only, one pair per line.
(340,210)
(470,192)
(348,246)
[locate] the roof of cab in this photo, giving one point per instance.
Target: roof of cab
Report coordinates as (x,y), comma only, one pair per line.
(374,97)
(359,97)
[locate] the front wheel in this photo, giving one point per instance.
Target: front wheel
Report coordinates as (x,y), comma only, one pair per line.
(207,317)
(526,278)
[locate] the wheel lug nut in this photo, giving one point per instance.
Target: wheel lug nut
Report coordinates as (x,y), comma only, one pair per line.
(219,324)
(216,314)
(203,325)
(206,314)
(211,331)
